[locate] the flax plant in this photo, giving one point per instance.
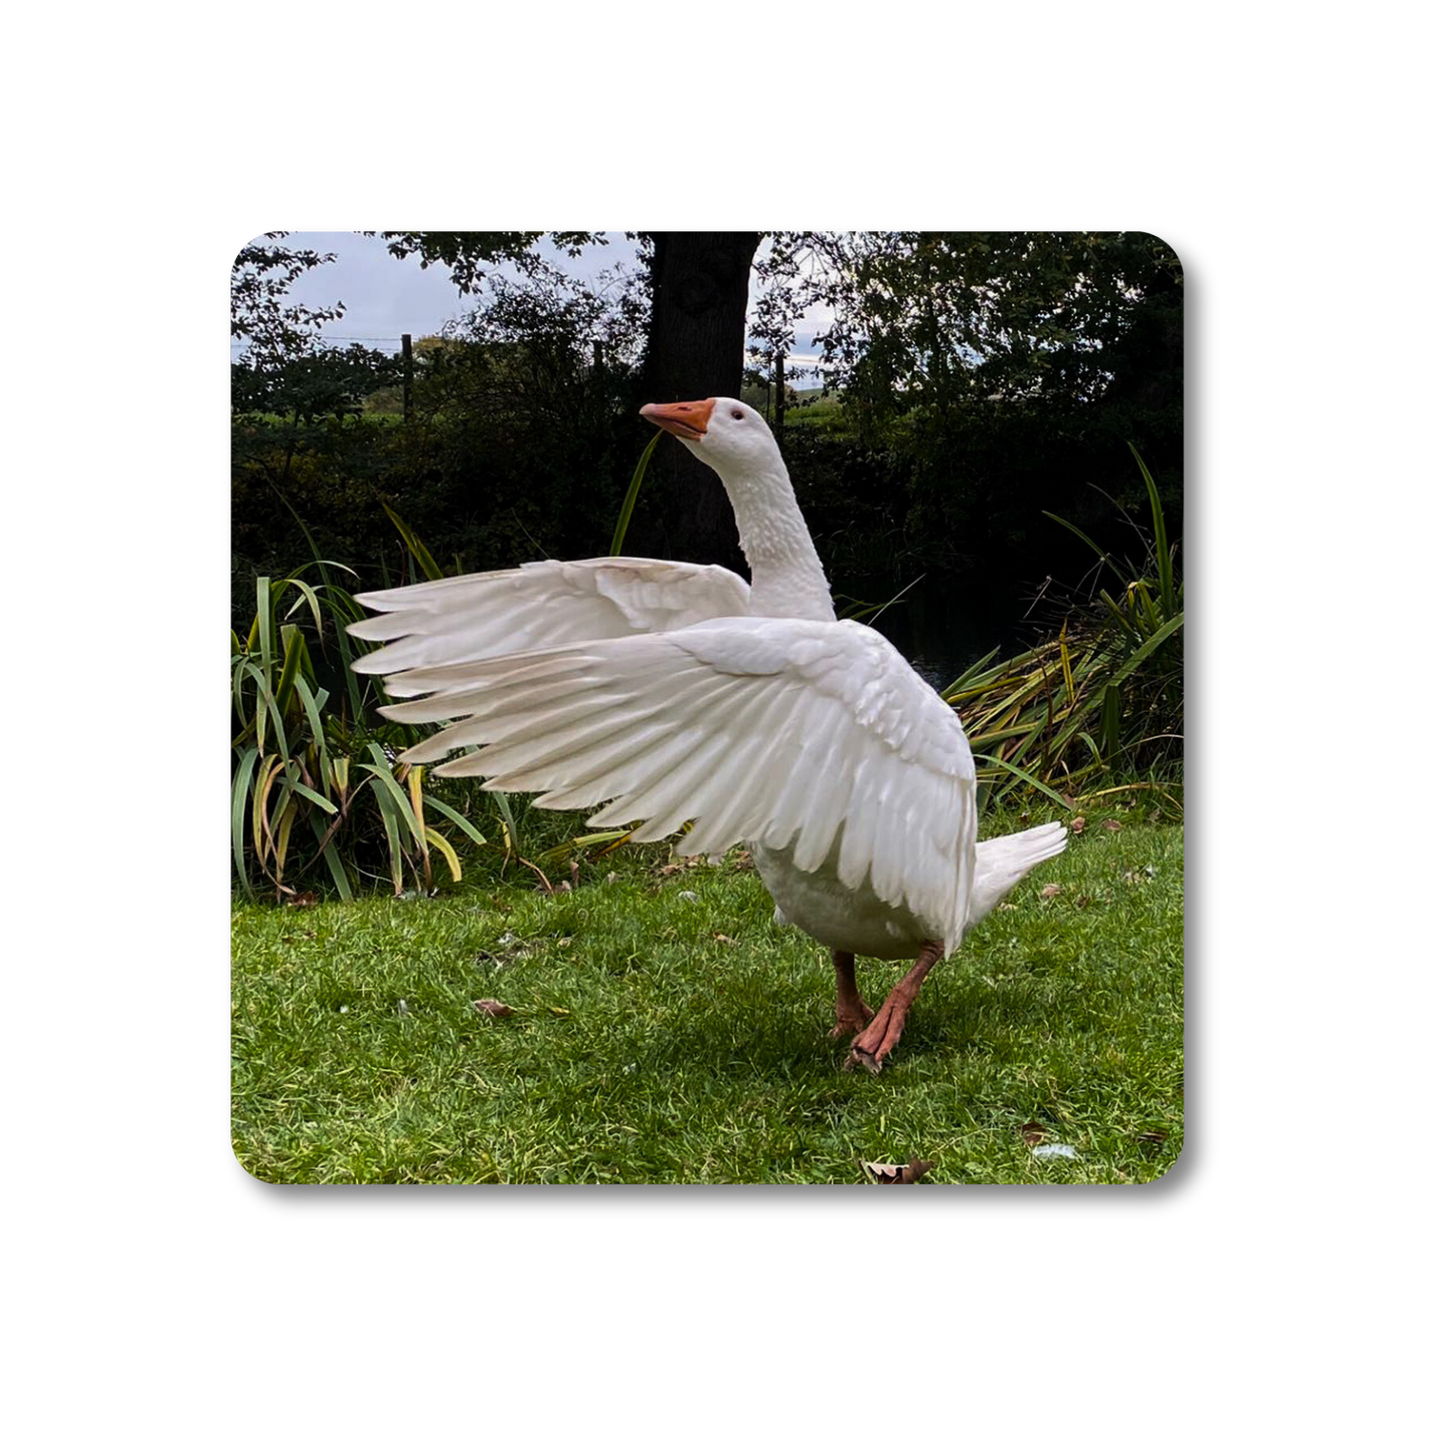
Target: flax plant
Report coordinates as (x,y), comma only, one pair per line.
(1102,703)
(296,761)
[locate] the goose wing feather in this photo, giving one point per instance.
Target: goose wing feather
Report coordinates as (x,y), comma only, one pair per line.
(811,735)
(539,604)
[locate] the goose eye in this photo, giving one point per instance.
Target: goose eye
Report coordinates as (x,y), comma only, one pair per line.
(737,415)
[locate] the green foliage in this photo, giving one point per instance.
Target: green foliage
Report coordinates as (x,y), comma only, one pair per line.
(991,375)
(470,255)
(283,368)
(307,388)
(330,472)
(858,502)
(273,328)
(938,317)
(525,421)
(1103,701)
(296,760)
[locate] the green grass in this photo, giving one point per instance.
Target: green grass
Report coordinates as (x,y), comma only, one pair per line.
(666,1031)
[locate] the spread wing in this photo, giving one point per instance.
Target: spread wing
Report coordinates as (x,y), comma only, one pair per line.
(814,736)
(540,604)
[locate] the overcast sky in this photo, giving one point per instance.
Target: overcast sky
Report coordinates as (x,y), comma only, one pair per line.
(385,297)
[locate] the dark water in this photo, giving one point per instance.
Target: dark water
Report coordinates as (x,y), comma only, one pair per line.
(944,625)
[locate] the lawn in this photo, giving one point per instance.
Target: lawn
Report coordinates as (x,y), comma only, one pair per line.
(664,1030)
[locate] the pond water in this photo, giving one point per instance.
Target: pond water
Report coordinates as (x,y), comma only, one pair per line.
(942,625)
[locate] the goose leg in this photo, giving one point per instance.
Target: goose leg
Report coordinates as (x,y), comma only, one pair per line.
(850,1010)
(872,1046)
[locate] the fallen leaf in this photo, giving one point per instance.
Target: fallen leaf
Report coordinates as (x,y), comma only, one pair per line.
(1051,890)
(302,900)
(1078,825)
(1113,825)
(562,1013)
(1033,1132)
(909,1173)
(723,938)
(494,1007)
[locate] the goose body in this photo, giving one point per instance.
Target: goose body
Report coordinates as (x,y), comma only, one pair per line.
(663,692)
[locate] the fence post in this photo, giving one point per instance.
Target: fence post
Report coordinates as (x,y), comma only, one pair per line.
(778,362)
(406,377)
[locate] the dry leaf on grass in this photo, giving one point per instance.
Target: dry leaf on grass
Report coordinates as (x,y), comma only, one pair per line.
(1112,824)
(1033,1132)
(1051,890)
(1078,825)
(909,1173)
(493,1007)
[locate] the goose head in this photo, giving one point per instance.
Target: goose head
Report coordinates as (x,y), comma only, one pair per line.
(732,439)
(726,434)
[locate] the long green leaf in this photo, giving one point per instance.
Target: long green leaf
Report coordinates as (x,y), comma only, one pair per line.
(1162,558)
(312,709)
(383,771)
(240,793)
(454,864)
(262,627)
(388,822)
(1025,777)
(308,596)
(1084,536)
(312,796)
(509,822)
(1163,635)
(447,811)
(630,500)
(563,851)
(415,546)
(295,645)
(333,859)
(1110,723)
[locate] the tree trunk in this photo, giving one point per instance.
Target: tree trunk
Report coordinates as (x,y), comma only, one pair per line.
(695,344)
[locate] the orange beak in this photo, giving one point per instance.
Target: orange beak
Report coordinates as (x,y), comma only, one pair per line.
(685,419)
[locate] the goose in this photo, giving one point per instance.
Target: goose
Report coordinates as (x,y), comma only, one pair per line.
(660,693)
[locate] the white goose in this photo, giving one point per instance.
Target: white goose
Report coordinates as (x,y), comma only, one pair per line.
(670,692)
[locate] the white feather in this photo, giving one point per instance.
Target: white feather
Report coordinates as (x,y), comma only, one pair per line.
(540,604)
